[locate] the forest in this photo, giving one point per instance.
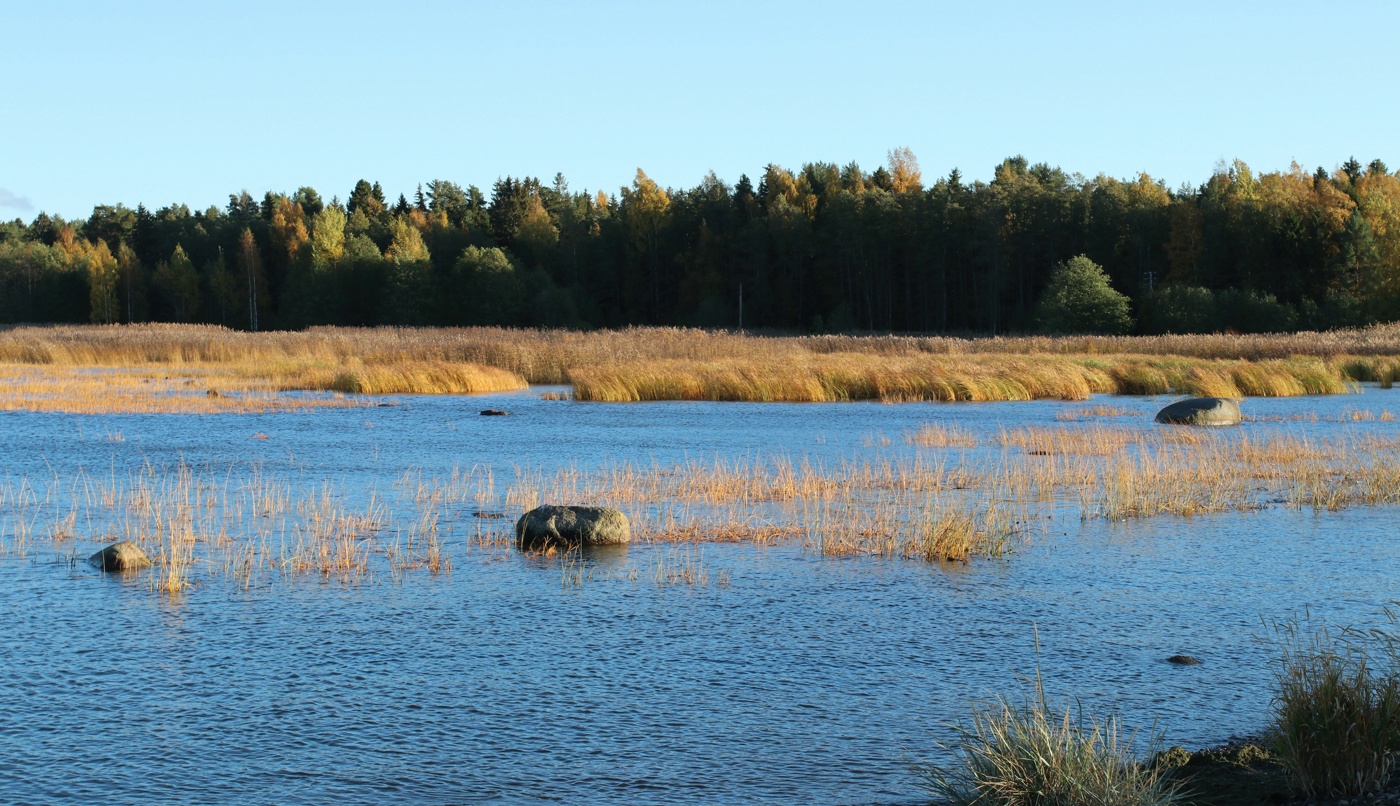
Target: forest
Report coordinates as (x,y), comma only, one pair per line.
(826,248)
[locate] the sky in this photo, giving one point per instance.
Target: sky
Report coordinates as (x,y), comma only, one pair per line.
(178,102)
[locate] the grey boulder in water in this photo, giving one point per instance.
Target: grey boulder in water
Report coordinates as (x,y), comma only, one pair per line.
(1201,411)
(549,525)
(123,555)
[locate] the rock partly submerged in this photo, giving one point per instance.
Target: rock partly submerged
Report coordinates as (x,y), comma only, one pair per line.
(550,525)
(1201,411)
(123,555)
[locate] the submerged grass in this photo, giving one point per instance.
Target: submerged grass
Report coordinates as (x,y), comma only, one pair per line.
(954,497)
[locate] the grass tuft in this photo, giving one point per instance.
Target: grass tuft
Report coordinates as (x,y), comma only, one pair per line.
(1336,718)
(1026,755)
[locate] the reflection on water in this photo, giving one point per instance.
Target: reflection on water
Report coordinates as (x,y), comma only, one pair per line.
(524,679)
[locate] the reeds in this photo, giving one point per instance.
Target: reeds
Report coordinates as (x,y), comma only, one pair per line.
(544,356)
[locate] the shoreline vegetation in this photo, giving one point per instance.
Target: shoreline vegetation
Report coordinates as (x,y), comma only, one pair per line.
(93,369)
(1332,738)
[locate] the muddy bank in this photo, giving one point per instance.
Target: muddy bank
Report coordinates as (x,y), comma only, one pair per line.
(1247,773)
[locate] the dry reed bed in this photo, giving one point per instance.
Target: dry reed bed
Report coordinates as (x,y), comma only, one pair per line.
(544,356)
(135,391)
(672,363)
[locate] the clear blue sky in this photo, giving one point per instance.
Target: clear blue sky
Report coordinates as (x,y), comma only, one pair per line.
(187,102)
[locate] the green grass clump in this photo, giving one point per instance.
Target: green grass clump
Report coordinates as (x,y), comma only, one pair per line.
(1336,718)
(1384,370)
(1027,755)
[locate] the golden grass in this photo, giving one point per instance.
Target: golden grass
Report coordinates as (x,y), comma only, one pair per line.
(639,364)
(967,377)
(201,369)
(840,377)
(545,356)
(417,377)
(158,391)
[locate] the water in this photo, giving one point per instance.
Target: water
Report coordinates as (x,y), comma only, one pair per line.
(803,680)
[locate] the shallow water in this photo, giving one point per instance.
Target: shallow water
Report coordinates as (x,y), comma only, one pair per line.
(802,680)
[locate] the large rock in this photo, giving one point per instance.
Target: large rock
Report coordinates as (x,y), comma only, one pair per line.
(123,555)
(1201,411)
(549,525)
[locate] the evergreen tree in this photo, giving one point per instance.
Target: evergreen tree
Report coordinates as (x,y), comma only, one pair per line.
(1080,299)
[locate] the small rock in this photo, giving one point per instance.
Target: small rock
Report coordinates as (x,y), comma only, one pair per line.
(1201,411)
(212,393)
(1183,660)
(494,413)
(547,526)
(122,555)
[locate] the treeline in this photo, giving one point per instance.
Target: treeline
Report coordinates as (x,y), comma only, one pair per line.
(825,248)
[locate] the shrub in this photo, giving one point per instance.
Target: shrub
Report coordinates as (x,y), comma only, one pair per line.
(1180,309)
(1080,299)
(1254,312)
(1341,309)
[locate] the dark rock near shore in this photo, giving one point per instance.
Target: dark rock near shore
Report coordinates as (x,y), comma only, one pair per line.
(123,555)
(1183,660)
(494,413)
(548,525)
(1201,411)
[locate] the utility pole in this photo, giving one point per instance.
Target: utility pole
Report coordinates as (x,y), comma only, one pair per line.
(741,307)
(1150,277)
